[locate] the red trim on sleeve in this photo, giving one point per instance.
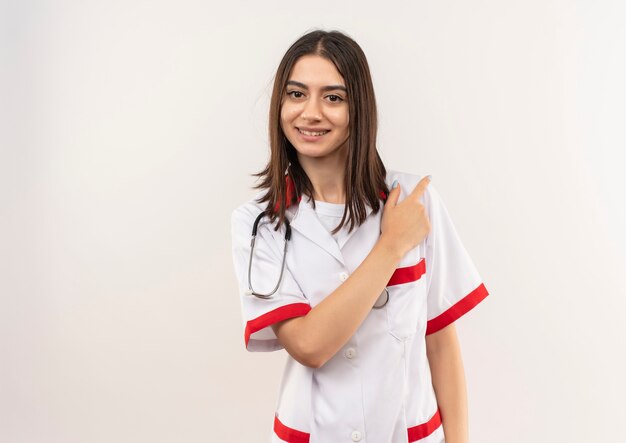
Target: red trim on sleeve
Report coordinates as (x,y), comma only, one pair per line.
(288,434)
(457,310)
(408,274)
(425,429)
(274,316)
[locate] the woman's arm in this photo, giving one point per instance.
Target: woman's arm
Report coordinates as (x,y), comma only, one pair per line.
(446,367)
(314,338)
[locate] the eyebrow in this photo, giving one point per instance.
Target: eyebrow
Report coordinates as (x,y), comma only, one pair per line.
(324,88)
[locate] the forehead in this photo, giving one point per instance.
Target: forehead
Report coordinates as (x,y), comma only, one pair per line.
(314,70)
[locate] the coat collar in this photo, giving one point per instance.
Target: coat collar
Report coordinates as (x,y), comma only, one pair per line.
(304,219)
(307,223)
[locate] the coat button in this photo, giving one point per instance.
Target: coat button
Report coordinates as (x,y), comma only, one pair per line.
(356,436)
(350,353)
(343,276)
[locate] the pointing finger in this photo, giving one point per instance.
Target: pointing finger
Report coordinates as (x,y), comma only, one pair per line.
(419,189)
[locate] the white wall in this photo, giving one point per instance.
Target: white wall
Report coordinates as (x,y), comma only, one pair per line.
(129,128)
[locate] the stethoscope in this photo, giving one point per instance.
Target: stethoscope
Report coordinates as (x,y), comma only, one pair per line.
(251,291)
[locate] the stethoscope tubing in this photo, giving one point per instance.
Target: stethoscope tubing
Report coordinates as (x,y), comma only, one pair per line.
(267,296)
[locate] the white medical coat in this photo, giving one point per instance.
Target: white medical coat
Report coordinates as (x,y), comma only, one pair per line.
(377,388)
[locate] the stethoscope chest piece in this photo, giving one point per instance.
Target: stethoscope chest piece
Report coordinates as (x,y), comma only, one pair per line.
(383,296)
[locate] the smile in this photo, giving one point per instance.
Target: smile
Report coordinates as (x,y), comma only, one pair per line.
(311,133)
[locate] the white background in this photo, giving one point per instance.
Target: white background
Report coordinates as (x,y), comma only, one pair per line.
(128,133)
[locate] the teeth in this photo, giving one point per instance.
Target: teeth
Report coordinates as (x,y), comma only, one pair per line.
(312,133)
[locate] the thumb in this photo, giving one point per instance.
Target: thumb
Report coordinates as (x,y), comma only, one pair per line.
(394,194)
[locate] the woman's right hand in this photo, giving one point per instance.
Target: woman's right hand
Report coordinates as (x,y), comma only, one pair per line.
(404,225)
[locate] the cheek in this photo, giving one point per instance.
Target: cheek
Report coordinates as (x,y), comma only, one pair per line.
(340,118)
(288,113)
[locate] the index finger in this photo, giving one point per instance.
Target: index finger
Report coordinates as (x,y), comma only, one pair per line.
(419,189)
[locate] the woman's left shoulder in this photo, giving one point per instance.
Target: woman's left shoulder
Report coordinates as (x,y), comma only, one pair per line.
(408,181)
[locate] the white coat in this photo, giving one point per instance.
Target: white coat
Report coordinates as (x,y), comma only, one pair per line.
(377,388)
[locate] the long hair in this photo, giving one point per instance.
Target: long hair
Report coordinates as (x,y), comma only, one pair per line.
(364,180)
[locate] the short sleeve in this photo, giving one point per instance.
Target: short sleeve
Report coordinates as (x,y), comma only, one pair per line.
(454,285)
(287,302)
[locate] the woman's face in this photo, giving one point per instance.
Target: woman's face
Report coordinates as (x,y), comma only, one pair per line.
(314,114)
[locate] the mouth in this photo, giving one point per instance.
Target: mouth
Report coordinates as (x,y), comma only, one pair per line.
(313,133)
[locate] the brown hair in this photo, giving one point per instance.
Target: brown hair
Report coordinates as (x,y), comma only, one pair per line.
(364,180)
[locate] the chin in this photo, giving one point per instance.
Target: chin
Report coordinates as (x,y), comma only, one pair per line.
(314,150)
(313,153)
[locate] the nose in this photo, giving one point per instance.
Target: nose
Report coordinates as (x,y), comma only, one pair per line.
(311,110)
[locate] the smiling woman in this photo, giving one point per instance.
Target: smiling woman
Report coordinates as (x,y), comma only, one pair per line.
(364,309)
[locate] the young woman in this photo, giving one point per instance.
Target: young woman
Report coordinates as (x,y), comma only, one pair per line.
(355,270)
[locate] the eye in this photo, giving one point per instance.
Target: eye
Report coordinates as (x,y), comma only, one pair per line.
(294,94)
(335,98)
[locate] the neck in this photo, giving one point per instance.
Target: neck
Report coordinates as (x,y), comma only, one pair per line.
(326,175)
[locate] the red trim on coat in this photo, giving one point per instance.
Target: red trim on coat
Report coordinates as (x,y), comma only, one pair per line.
(408,274)
(274,316)
(288,434)
(425,429)
(457,310)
